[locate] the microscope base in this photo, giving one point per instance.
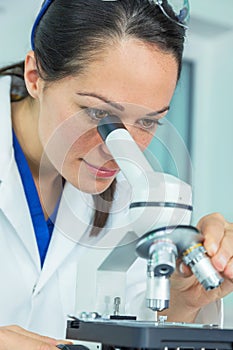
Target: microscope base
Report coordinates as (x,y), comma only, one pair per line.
(150,335)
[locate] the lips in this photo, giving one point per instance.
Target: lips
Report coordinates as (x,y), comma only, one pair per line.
(101,172)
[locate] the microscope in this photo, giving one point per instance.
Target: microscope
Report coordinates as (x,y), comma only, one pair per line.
(160,212)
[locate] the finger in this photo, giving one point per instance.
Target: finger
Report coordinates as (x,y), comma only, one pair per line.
(182,269)
(225,288)
(182,280)
(224,253)
(228,272)
(20,330)
(14,340)
(49,340)
(212,227)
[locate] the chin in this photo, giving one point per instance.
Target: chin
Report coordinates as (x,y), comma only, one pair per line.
(93,187)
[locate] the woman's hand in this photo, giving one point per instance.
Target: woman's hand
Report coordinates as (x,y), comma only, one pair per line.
(218,241)
(15,337)
(187,294)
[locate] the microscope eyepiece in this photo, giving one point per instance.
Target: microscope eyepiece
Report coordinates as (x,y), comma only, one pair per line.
(109,124)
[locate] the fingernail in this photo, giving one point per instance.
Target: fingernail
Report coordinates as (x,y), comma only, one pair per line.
(181,268)
(212,249)
(222,261)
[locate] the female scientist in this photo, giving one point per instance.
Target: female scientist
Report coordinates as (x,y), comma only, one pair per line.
(89,59)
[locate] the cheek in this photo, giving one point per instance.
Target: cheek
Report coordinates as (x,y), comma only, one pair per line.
(65,142)
(51,126)
(141,137)
(56,116)
(86,143)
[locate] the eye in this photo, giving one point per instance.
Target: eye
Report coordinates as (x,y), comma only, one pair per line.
(149,124)
(96,114)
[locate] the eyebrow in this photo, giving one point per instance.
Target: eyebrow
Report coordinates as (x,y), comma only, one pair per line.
(118,105)
(165,109)
(104,99)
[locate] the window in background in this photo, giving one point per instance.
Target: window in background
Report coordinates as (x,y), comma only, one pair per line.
(170,148)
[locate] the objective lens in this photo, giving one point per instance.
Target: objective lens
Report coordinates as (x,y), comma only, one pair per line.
(160,266)
(157,293)
(163,254)
(200,264)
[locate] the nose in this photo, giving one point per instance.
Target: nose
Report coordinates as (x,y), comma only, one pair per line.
(103,148)
(141,137)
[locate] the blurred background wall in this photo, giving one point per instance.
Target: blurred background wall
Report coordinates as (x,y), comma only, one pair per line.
(201,109)
(210,48)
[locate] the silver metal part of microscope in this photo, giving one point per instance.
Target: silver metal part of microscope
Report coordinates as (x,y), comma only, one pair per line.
(160,213)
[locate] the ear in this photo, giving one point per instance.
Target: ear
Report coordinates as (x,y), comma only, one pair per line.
(32,80)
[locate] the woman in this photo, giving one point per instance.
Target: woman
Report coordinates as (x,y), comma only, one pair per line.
(89,59)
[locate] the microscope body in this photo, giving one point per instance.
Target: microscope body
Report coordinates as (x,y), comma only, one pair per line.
(157,229)
(111,261)
(160,213)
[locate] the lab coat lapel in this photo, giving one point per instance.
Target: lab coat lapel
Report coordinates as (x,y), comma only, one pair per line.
(5,126)
(72,224)
(11,191)
(72,247)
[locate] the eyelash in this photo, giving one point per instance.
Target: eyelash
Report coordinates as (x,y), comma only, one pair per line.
(90,111)
(154,122)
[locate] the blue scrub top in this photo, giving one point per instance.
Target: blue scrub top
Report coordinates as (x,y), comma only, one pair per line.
(43,229)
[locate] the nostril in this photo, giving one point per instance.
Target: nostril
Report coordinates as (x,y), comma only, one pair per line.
(103,148)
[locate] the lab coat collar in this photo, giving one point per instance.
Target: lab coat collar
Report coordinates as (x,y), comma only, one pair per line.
(71,229)
(6,127)
(11,190)
(14,206)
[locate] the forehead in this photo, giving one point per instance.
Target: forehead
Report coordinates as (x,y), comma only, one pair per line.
(133,70)
(130,72)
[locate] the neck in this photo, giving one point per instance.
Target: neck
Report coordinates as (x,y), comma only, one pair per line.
(49,191)
(47,180)
(25,125)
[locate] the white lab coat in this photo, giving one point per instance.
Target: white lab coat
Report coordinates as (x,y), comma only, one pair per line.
(41,300)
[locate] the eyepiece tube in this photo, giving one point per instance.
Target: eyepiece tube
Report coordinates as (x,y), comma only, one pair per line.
(108,125)
(125,151)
